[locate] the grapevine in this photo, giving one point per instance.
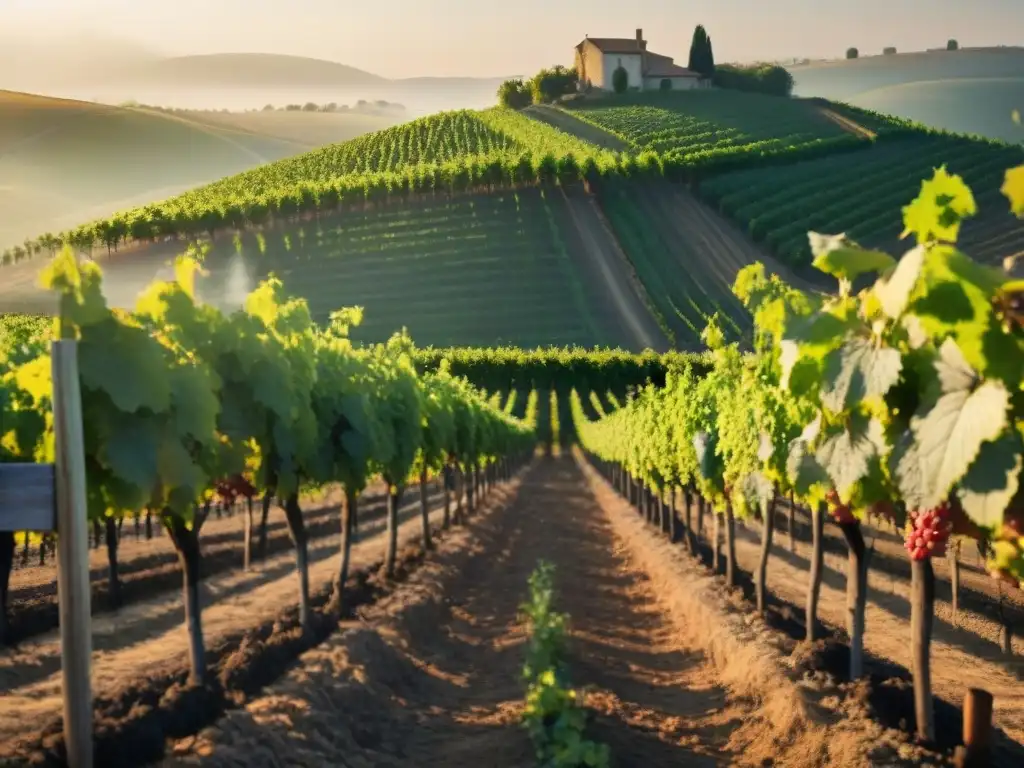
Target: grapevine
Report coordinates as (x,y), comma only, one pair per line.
(900,401)
(183,404)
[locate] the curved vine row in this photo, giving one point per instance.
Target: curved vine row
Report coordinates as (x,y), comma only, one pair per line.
(182,402)
(901,400)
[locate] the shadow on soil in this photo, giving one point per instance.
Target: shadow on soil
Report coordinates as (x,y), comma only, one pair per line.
(889,688)
(133,725)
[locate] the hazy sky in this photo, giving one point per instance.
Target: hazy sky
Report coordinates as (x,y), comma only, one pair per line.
(404,38)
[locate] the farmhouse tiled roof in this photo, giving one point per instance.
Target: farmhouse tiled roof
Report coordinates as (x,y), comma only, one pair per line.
(614,44)
(656,65)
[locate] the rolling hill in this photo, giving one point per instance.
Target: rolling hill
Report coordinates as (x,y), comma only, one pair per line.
(249,70)
(560,225)
(64,161)
(930,87)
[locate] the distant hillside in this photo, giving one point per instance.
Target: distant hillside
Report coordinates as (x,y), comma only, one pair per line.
(973,90)
(251,70)
(64,161)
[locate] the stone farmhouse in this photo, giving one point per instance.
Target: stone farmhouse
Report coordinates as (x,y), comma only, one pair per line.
(597,58)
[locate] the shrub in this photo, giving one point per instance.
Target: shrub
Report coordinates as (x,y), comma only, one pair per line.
(620,79)
(514,94)
(952,45)
(852,53)
(665,84)
(549,85)
(769,79)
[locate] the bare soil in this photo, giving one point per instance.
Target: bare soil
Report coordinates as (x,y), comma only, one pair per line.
(848,125)
(140,652)
(963,653)
(149,567)
(609,272)
(960,658)
(564,121)
(431,676)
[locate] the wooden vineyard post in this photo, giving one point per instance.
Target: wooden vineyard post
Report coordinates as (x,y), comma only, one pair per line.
(977,730)
(72,554)
(44,498)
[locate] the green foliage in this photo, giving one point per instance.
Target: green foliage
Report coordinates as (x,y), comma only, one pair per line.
(952,45)
(514,94)
(702,56)
(177,395)
(902,395)
(852,53)
(620,79)
(777,206)
(553,715)
(549,85)
(769,79)
(712,130)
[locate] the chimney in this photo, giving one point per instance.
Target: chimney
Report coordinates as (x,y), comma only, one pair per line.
(640,40)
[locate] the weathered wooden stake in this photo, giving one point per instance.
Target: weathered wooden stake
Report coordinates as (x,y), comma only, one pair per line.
(72,554)
(975,752)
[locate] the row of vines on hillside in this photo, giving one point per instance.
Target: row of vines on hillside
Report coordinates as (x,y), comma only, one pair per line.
(182,403)
(901,401)
(270,194)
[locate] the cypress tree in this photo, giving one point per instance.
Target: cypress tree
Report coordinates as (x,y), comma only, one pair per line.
(702,58)
(698,49)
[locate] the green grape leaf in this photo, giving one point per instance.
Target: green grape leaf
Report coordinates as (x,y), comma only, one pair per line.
(1013,189)
(954,298)
(950,434)
(1008,556)
(847,455)
(757,491)
(195,401)
(128,366)
(992,480)
(856,371)
(129,449)
(943,203)
(893,291)
(842,258)
(803,469)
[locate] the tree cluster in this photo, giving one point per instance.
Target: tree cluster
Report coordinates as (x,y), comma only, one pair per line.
(547,86)
(515,94)
(852,53)
(769,79)
(702,56)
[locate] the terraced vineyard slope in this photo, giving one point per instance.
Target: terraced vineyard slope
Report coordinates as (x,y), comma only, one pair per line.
(777,206)
(686,257)
(516,268)
(699,126)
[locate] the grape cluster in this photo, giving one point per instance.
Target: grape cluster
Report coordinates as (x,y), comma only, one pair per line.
(929,532)
(840,512)
(230,489)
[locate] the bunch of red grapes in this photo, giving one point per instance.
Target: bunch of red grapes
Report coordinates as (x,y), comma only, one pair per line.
(929,532)
(231,488)
(840,512)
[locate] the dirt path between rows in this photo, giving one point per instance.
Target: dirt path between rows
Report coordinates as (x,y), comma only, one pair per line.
(565,121)
(960,659)
(147,637)
(431,676)
(847,124)
(612,274)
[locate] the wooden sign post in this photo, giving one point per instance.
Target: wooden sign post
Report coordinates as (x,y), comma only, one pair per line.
(44,498)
